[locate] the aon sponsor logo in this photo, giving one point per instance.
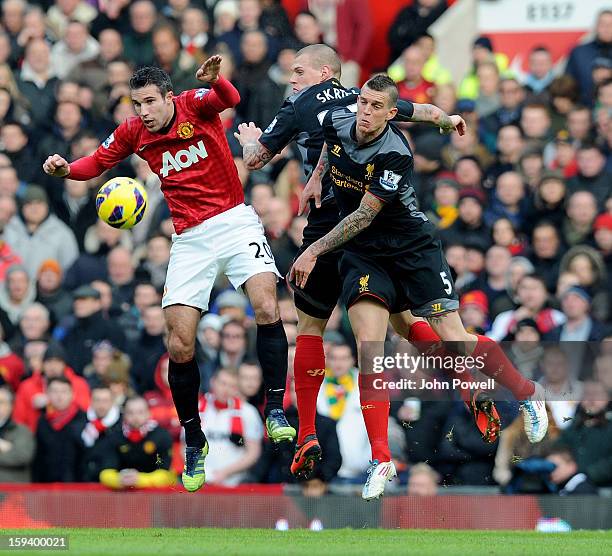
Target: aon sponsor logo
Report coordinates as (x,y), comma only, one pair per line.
(183,158)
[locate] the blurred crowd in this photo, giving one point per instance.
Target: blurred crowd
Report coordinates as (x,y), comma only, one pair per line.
(522,203)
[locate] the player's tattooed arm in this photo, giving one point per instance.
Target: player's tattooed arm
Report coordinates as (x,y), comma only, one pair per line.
(428,113)
(347,229)
(350,226)
(254,154)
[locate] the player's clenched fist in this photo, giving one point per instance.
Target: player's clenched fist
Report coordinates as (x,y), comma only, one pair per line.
(56,166)
(208,72)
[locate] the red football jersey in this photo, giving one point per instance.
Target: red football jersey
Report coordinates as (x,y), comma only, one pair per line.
(193,160)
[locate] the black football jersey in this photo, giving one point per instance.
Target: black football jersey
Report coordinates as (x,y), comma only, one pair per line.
(301,116)
(383,167)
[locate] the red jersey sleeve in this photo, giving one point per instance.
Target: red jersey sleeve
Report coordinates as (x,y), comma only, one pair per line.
(209,102)
(116,147)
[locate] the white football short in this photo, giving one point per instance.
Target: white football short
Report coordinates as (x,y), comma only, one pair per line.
(232,242)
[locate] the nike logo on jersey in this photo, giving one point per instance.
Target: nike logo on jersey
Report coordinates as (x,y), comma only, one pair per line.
(182,159)
(140,149)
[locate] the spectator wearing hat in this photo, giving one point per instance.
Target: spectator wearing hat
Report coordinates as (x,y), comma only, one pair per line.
(32,397)
(546,252)
(139,454)
(37,235)
(474,311)
(59,448)
(88,327)
(482,52)
(579,326)
(16,443)
(526,350)
(580,62)
(469,226)
(231,305)
(444,210)
(17,293)
(592,175)
(103,420)
(233,348)
(50,291)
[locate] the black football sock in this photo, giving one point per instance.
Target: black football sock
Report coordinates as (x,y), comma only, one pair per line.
(272,353)
(184,381)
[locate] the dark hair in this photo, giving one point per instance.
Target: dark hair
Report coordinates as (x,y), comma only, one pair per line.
(151,75)
(539,48)
(564,86)
(383,83)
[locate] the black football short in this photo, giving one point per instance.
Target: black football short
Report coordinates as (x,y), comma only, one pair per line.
(322,290)
(419,280)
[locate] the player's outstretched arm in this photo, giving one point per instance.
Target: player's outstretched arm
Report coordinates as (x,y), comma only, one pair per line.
(429,113)
(81,169)
(254,154)
(314,186)
(223,94)
(344,231)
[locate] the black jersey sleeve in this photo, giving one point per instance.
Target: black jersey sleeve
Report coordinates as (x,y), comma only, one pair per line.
(405,110)
(391,172)
(282,129)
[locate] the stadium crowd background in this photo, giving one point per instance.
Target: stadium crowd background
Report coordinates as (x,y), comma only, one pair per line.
(523,204)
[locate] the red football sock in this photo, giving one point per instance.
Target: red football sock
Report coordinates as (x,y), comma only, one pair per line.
(375,410)
(309,372)
(499,367)
(423,336)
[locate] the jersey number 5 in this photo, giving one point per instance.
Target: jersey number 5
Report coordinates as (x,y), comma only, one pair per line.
(448,286)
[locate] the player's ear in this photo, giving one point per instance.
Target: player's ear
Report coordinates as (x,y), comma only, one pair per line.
(392,113)
(169,96)
(326,73)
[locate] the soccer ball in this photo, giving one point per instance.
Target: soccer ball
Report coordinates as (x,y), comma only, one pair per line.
(121,202)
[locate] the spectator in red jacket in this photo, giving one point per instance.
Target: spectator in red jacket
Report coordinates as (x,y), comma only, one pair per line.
(31,396)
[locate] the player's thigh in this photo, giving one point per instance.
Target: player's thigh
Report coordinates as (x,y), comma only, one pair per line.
(242,247)
(365,278)
(182,322)
(425,278)
(320,295)
(192,270)
(261,291)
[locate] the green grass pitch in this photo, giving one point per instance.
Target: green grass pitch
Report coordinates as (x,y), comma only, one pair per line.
(373,542)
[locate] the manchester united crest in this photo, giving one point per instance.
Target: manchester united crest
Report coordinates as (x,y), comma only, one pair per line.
(185,130)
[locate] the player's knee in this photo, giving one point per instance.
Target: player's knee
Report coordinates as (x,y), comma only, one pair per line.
(180,348)
(266,311)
